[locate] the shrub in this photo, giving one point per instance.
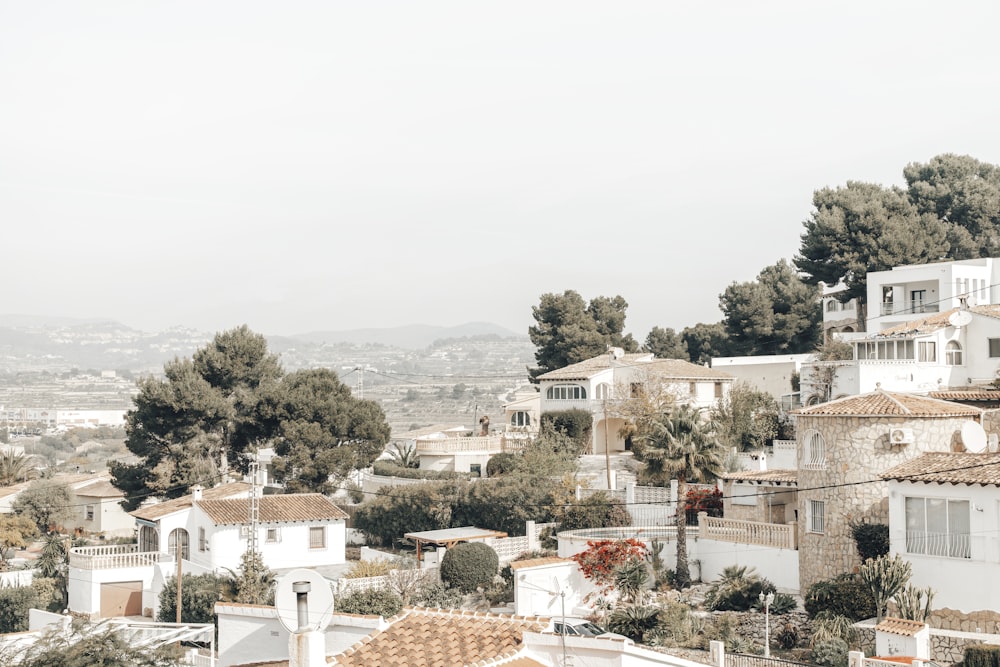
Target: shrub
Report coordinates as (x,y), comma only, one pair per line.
(739,589)
(379,601)
(602,558)
(844,595)
(392,469)
(787,636)
(503,463)
(702,500)
(439,596)
(981,656)
(369,568)
(673,626)
(469,565)
(830,653)
(199,593)
(407,509)
(634,621)
(871,539)
(15,601)
(596,511)
(574,423)
(827,626)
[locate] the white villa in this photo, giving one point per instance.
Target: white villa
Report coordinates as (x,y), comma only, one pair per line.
(211,528)
(601,384)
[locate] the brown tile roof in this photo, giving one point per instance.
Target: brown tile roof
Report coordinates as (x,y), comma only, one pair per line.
(100,489)
(273,509)
(675,369)
(978,395)
(881,403)
(918,326)
(433,638)
(900,626)
(162,509)
(536,562)
(949,468)
(781,476)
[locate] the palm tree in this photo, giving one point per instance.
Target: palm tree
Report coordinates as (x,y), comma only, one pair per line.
(682,445)
(15,468)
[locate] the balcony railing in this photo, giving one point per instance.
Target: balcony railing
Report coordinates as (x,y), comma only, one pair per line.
(488,443)
(114,556)
(778,535)
(909,308)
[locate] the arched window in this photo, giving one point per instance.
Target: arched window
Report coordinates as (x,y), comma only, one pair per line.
(566,392)
(832,306)
(179,534)
(603,391)
(520,418)
(815,450)
(953,353)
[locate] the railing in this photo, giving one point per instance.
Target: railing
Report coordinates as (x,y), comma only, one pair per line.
(487,443)
(746,660)
(781,536)
(114,556)
(951,545)
(909,308)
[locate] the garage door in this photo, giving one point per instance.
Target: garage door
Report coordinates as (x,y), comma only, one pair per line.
(122,598)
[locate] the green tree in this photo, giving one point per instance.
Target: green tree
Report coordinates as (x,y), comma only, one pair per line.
(53,563)
(864,227)
(15,533)
(253,581)
(322,430)
(666,344)
(745,418)
(15,468)
(15,601)
(506,503)
(964,194)
(46,502)
(597,510)
(82,647)
(681,445)
(429,506)
(199,593)
(568,330)
(705,341)
(778,313)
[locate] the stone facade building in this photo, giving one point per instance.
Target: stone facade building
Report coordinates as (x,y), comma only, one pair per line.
(843,446)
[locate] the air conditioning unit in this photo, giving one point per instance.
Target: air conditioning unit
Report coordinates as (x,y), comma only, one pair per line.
(901,436)
(244,531)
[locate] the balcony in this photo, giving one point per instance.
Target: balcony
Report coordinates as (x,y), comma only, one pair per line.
(915,307)
(445,446)
(114,556)
(779,535)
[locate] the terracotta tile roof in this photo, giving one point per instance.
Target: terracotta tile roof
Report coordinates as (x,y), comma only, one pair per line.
(522,662)
(949,468)
(100,489)
(273,509)
(782,476)
(537,562)
(590,367)
(899,626)
(433,638)
(987,310)
(918,326)
(978,395)
(888,404)
(674,369)
(162,509)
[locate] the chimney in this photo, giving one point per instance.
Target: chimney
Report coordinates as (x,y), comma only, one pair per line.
(196,492)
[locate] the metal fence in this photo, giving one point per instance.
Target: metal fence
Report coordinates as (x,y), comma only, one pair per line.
(747,660)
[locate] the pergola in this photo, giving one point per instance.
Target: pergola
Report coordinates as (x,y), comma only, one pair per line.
(449,537)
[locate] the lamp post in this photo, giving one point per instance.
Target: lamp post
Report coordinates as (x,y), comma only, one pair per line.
(766,600)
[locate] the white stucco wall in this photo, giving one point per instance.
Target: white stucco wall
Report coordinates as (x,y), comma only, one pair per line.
(85,585)
(109,517)
(290,550)
(957,582)
(541,590)
(768,373)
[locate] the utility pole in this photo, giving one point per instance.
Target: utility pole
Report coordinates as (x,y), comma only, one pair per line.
(361,381)
(254,507)
(177,555)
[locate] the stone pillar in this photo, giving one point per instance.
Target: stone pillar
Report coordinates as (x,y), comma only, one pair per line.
(855,659)
(717,653)
(630,493)
(529,530)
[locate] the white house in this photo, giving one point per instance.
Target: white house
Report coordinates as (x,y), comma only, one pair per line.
(211,529)
(601,385)
(771,373)
(944,518)
(838,317)
(956,348)
(99,510)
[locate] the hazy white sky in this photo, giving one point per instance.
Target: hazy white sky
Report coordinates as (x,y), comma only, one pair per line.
(332,165)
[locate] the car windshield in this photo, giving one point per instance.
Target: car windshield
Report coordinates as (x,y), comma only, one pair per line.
(590,629)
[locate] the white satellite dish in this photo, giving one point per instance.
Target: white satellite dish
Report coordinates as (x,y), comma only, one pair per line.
(319,599)
(960,318)
(973,437)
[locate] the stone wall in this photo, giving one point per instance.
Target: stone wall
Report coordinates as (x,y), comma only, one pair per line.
(977,621)
(857,450)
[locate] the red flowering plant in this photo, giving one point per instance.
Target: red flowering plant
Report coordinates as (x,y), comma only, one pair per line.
(702,500)
(603,557)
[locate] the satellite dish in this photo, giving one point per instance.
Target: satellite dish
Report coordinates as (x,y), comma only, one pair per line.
(960,318)
(320,600)
(973,437)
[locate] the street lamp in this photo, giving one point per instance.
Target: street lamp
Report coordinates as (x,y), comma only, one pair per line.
(766,600)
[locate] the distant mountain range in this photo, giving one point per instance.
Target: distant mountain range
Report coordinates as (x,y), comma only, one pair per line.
(40,343)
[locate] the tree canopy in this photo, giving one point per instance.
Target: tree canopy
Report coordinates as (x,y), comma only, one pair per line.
(570,330)
(666,344)
(231,397)
(46,502)
(705,341)
(778,313)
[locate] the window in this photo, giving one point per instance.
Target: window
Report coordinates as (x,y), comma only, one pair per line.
(603,391)
(831,306)
(937,527)
(273,535)
(566,392)
(926,351)
(718,390)
(953,354)
(815,451)
(817,516)
(917,298)
(693,388)
(89,513)
(202,541)
(317,537)
(149,539)
(994,347)
(520,418)
(179,535)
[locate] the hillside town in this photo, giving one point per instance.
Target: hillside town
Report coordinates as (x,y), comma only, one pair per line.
(623,508)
